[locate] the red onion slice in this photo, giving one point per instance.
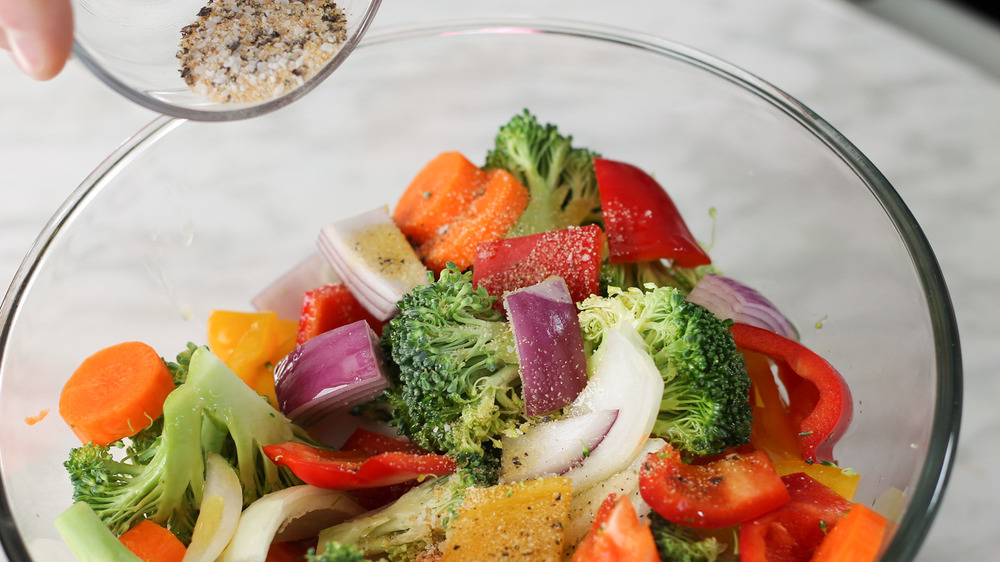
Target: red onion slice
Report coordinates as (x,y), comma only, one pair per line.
(284,295)
(549,345)
(373,258)
(728,298)
(555,447)
(331,372)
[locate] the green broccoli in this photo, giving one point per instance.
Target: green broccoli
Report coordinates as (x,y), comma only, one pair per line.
(179,369)
(677,543)
(336,552)
(410,525)
(560,179)
(458,385)
(659,273)
(161,477)
(705,406)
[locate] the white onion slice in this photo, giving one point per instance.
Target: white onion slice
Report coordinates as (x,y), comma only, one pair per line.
(549,343)
(284,296)
(374,259)
(310,508)
(728,298)
(330,373)
(627,380)
(219,513)
(553,448)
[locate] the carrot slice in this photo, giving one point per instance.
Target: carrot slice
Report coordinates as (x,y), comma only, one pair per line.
(436,196)
(855,538)
(498,204)
(115,393)
(153,543)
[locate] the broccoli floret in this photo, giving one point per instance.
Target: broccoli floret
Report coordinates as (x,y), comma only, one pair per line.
(705,406)
(410,525)
(179,369)
(161,477)
(481,469)
(336,552)
(458,385)
(677,543)
(659,273)
(560,179)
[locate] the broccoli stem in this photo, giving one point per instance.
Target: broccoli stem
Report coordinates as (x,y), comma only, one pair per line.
(89,538)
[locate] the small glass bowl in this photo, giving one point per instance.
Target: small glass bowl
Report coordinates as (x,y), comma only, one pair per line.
(132,47)
(188,217)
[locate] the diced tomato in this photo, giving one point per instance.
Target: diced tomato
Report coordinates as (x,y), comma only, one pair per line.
(792,532)
(641,220)
(617,535)
(329,307)
(573,253)
(722,493)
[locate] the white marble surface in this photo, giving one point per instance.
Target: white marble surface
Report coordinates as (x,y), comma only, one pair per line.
(931,124)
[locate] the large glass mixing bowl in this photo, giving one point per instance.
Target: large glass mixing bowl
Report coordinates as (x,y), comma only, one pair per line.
(188,217)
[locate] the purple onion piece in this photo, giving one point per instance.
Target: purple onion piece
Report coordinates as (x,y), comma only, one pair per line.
(549,345)
(728,298)
(329,373)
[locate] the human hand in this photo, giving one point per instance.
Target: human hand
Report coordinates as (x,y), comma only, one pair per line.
(38,33)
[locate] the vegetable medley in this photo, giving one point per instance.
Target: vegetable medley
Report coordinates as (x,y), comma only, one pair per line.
(530,359)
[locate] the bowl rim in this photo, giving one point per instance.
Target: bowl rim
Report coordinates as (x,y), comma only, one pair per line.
(116,83)
(934,474)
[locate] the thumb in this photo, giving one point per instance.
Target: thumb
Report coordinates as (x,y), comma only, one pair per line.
(38,33)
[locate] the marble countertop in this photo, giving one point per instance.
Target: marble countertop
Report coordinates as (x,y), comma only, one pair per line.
(929,122)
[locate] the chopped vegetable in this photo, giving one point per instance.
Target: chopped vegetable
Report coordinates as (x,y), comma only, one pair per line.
(458,384)
(331,372)
(549,345)
(498,203)
(573,253)
(221,505)
(773,430)
(520,521)
(559,177)
(553,448)
(843,481)
(284,295)
(153,543)
(722,493)
(438,194)
(308,507)
(792,532)
(728,298)
(373,258)
(703,408)
(350,470)
(251,343)
(680,543)
(335,552)
(89,538)
(617,535)
(640,219)
(115,392)
(831,413)
(625,379)
(328,307)
(856,538)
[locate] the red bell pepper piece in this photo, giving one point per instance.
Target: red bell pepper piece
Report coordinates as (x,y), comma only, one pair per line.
(721,493)
(816,386)
(350,470)
(641,220)
(792,532)
(328,307)
(573,253)
(617,535)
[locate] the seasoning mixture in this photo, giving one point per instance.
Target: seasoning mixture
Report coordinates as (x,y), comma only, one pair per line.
(253,50)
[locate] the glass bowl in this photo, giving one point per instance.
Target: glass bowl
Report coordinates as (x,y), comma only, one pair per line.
(188,217)
(133,48)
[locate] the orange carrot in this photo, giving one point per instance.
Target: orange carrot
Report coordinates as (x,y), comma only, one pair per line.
(855,538)
(115,392)
(436,196)
(496,208)
(153,543)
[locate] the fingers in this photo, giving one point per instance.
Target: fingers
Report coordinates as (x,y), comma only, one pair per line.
(38,33)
